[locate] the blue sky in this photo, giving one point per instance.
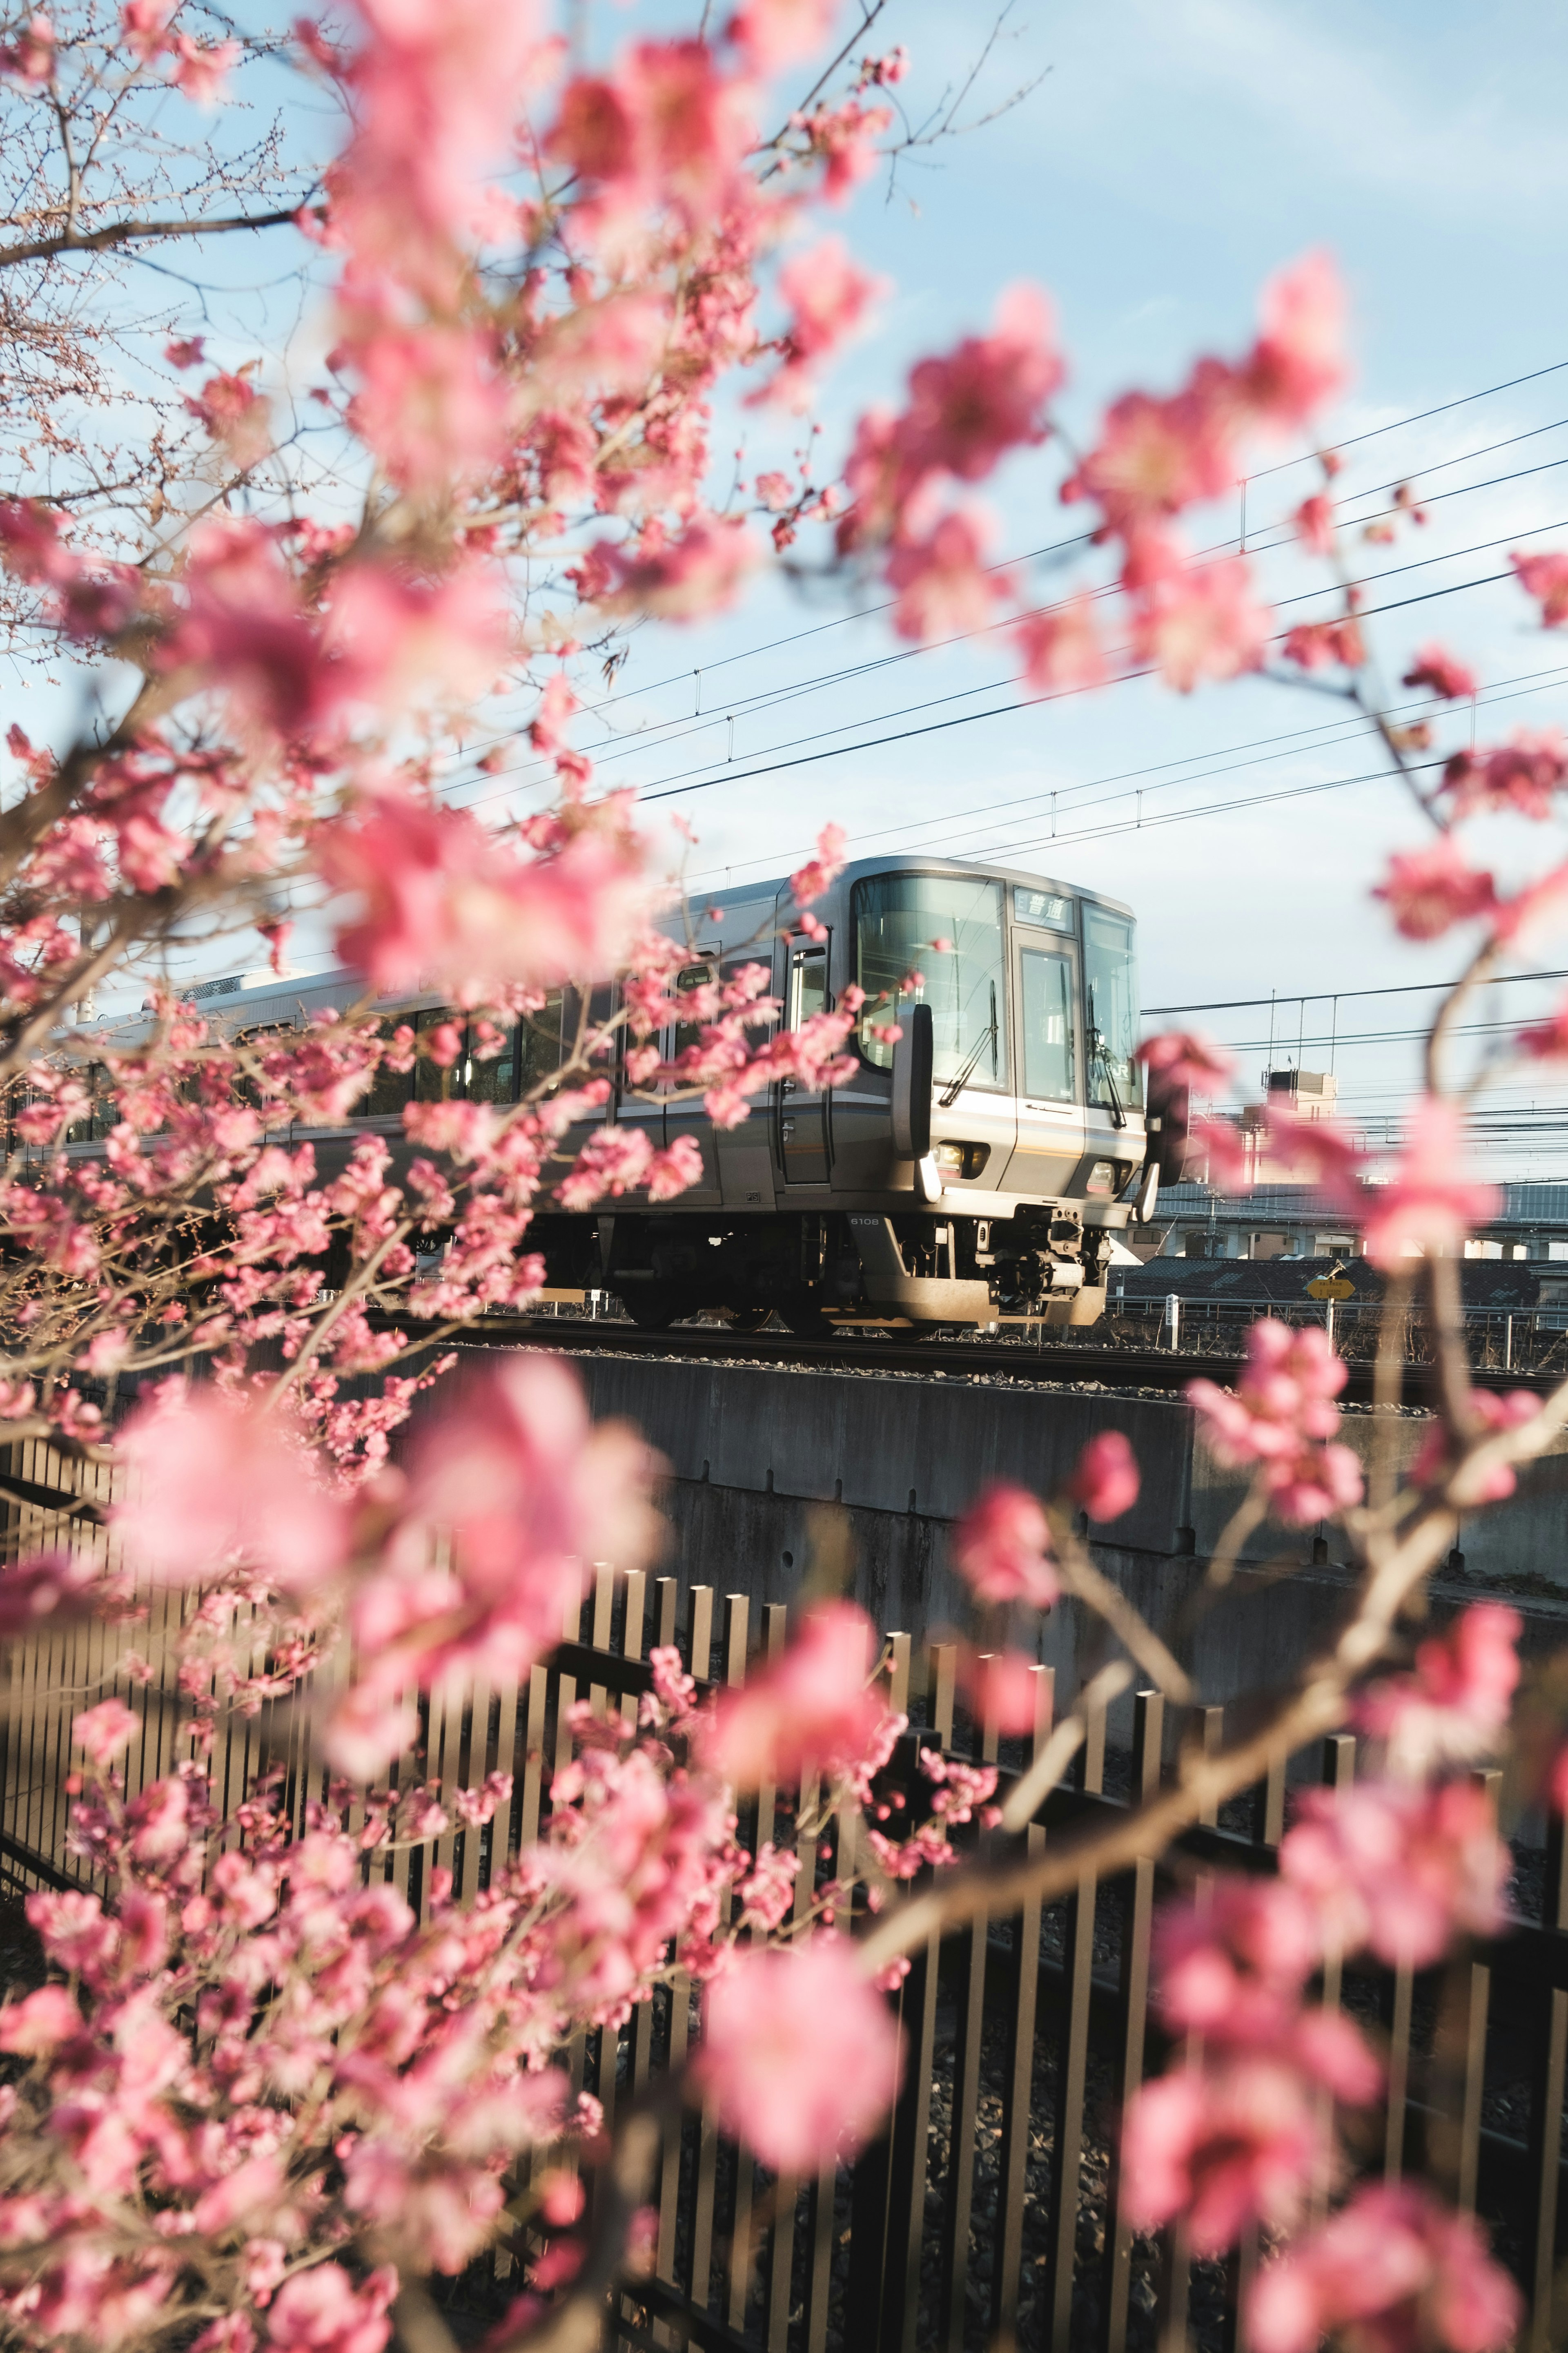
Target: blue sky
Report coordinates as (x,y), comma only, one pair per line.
(1177,152)
(1172,155)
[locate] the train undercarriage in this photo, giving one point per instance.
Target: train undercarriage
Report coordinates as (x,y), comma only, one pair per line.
(816,1269)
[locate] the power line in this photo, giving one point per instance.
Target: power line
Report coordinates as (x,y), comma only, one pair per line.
(1526,682)
(1172,784)
(679,786)
(1339,995)
(671,788)
(673,730)
(1443,408)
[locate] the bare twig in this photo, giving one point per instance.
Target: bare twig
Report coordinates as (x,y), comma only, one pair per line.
(138,232)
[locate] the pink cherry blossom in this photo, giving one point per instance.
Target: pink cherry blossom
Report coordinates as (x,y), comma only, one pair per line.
(1316,1483)
(813,1709)
(1104,1482)
(683,579)
(984,397)
(1156,456)
(1320,1151)
(1544,577)
(105,1730)
(1436,668)
(1222,2147)
(1454,1707)
(242,624)
(1488,1411)
(1393,2271)
(443,900)
(529,1495)
(143,26)
(843,138)
(1283,1399)
(1299,362)
(810,881)
(1398,1868)
(943,587)
(31,57)
(1314,522)
(1326,645)
(776,33)
(51,1583)
(1184,1058)
(1234,1966)
(828,295)
(1002,1688)
(1426,1205)
(1523,774)
(39,2022)
(1002,1547)
(398,642)
(201,69)
(429,402)
(321,2311)
(1281,1409)
(1061,649)
(214,1481)
(692,126)
(1203,624)
(800,2054)
(1432,889)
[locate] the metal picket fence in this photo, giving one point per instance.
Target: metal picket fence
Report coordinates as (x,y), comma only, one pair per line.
(986,2215)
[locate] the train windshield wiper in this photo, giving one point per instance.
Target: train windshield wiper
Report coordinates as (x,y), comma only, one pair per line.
(1099,1052)
(987,1037)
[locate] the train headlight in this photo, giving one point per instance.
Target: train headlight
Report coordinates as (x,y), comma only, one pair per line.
(1104,1179)
(961,1159)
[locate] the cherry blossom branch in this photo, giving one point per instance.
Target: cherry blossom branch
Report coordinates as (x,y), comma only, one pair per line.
(1202,1783)
(1126,1622)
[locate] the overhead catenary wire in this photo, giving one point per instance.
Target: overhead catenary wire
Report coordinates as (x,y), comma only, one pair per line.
(674,788)
(1355,440)
(674,730)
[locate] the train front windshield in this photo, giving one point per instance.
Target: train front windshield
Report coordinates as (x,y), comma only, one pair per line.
(897,917)
(1110,1005)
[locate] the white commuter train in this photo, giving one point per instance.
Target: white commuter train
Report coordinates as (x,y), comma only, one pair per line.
(980,1164)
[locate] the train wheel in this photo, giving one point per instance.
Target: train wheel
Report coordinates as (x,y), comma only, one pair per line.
(652,1306)
(748,1319)
(806,1319)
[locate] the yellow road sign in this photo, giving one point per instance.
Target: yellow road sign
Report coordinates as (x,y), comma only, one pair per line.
(1329,1286)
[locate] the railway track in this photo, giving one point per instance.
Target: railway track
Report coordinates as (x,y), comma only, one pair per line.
(982,1358)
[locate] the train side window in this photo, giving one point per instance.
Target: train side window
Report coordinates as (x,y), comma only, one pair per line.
(495,1081)
(83,1129)
(105,1102)
(807,984)
(246,1089)
(1049,1045)
(540,1050)
(689,977)
(388,1089)
(432,1084)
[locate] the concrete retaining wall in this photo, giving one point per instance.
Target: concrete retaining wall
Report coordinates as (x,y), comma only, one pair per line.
(772,1466)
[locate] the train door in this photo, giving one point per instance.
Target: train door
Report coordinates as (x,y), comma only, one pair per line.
(801,1111)
(1050,1043)
(684,1114)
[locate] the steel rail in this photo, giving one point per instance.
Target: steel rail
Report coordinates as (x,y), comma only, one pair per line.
(1106,1363)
